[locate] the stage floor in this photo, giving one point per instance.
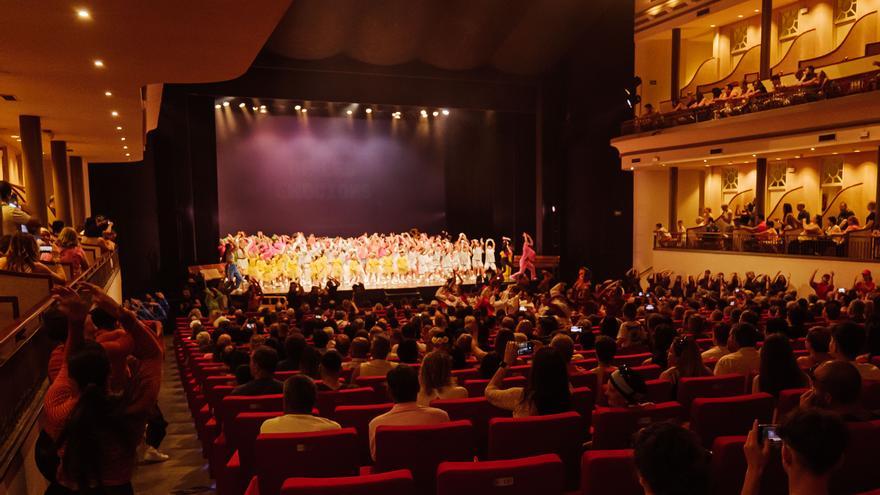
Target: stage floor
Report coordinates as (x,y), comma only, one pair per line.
(281,289)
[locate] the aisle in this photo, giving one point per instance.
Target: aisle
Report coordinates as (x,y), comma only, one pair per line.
(186,472)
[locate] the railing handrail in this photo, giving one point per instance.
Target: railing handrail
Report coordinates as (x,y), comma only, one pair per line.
(791,47)
(831,203)
(694,77)
(737,195)
(782,198)
(802,64)
(729,74)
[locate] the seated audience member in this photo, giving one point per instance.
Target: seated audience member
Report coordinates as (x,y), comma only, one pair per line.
(293,350)
(813,443)
(606,349)
(72,253)
(403,386)
(435,379)
(565,346)
(360,349)
(837,386)
(547,389)
(378,365)
(661,338)
(22,256)
(625,388)
(817,344)
(744,358)
(684,360)
(670,461)
(93,233)
(300,394)
(847,341)
(489,365)
(720,336)
(779,369)
(632,332)
(203,340)
(264,360)
(330,371)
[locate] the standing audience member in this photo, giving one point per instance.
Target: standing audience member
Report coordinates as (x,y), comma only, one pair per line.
(300,395)
(403,386)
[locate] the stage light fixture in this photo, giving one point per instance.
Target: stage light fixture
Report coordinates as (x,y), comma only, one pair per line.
(369,110)
(424,113)
(254,108)
(305,110)
(83,14)
(217,106)
(262,110)
(241,105)
(114,113)
(99,63)
(435,113)
(739,16)
(262,107)
(297,108)
(108,93)
(226,104)
(445,111)
(348,112)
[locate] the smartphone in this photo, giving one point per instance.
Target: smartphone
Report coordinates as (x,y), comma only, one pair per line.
(649,307)
(525,349)
(45,249)
(767,432)
(641,294)
(576,329)
(733,303)
(841,290)
(736,290)
(522,308)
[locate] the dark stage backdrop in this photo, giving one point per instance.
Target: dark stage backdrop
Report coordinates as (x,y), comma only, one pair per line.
(329,175)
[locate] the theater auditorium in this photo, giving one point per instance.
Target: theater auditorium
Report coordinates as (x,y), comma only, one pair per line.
(442,247)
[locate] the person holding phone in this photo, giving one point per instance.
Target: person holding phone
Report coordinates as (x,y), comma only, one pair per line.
(547,389)
(12,214)
(23,257)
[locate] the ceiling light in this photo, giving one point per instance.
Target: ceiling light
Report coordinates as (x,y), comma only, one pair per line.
(254,108)
(83,14)
(114,113)
(262,107)
(754,155)
(99,63)
(855,151)
(122,139)
(14,136)
(225,103)
(632,168)
(424,113)
(740,16)
(305,110)
(241,105)
(348,112)
(834,153)
(445,111)
(711,25)
(435,113)
(217,106)
(128,154)
(119,128)
(19,140)
(108,93)
(369,110)
(812,149)
(757,11)
(125,147)
(777,158)
(705,161)
(262,110)
(297,108)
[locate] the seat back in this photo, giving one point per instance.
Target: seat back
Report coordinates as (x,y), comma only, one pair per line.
(477,388)
(871,395)
(476,409)
(232,405)
(391,483)
(659,391)
(378,383)
(359,417)
(422,448)
(241,433)
(526,476)
(787,401)
(728,467)
(586,379)
(631,360)
(614,427)
(560,434)
(609,472)
(648,371)
(723,416)
(859,470)
(322,454)
(327,402)
(709,386)
(582,401)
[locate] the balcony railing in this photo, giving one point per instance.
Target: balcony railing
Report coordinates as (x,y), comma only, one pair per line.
(862,245)
(783,97)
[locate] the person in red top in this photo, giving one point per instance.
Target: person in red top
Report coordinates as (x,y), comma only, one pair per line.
(824,287)
(97,430)
(866,285)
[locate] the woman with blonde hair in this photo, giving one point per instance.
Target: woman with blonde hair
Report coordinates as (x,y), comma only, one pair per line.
(23,257)
(435,379)
(72,253)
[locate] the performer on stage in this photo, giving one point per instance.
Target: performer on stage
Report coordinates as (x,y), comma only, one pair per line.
(527,259)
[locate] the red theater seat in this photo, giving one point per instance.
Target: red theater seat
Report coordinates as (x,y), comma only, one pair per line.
(390,483)
(542,474)
(477,388)
(859,471)
(359,417)
(561,434)
(609,472)
(614,427)
(422,448)
(324,454)
(478,411)
(327,402)
(715,417)
(728,468)
(659,391)
(788,400)
(709,386)
(239,438)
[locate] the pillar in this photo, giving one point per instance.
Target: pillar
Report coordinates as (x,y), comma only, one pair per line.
(674,83)
(32,152)
(62,182)
(877,187)
(77,191)
(760,185)
(4,163)
(766,22)
(673,198)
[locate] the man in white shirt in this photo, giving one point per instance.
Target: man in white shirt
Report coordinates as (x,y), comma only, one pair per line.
(12,217)
(299,400)
(403,386)
(744,358)
(378,365)
(720,336)
(847,341)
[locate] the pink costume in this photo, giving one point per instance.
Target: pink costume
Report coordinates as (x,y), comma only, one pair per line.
(527,262)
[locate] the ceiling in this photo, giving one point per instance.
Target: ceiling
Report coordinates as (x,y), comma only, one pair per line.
(514,36)
(48,50)
(47,54)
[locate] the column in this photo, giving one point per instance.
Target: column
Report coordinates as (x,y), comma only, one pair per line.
(674,83)
(32,151)
(760,185)
(4,163)
(673,198)
(766,22)
(62,182)
(77,191)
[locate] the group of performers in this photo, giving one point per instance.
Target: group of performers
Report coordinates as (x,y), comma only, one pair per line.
(377,261)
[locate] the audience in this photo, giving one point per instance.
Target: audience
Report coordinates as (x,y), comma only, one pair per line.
(547,389)
(847,341)
(684,360)
(300,394)
(670,461)
(436,382)
(378,365)
(263,362)
(779,369)
(744,358)
(837,386)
